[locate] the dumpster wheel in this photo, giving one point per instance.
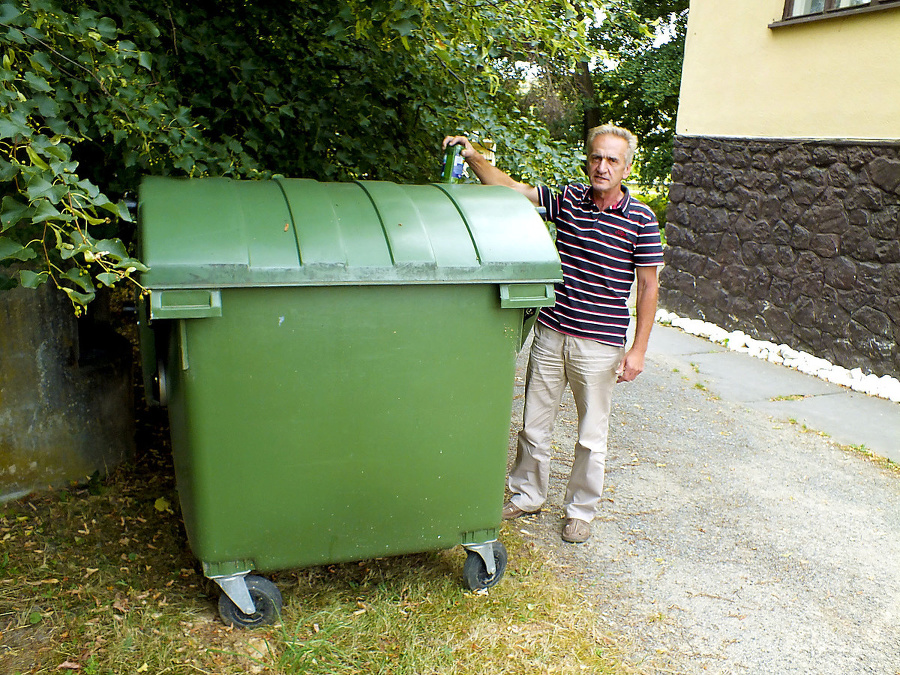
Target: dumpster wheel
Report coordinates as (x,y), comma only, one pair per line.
(266,597)
(475,569)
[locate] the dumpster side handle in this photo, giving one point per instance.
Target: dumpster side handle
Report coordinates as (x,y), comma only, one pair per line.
(517,296)
(185,304)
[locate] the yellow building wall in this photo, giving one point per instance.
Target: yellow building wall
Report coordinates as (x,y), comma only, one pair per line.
(827,79)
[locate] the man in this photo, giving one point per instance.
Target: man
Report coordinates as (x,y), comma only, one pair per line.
(606,239)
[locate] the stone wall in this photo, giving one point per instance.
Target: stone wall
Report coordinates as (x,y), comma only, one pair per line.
(795,242)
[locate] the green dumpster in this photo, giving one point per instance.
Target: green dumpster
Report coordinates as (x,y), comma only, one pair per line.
(338,363)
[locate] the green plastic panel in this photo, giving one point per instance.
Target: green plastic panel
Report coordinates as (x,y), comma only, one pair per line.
(221,233)
(329,424)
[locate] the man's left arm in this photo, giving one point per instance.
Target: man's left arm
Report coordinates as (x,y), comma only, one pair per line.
(646,295)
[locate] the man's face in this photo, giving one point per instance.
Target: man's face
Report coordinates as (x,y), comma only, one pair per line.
(606,164)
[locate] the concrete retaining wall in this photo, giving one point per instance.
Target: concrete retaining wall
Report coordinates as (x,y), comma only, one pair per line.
(66,401)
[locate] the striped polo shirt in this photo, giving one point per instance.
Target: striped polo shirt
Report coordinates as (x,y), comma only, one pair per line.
(598,251)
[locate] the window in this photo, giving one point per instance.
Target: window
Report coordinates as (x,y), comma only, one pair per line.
(806,10)
(798,8)
(805,7)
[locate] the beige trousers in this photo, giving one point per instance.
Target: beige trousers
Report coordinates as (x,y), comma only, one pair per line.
(589,368)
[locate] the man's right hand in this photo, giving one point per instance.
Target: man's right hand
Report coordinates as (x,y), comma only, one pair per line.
(487,173)
(467,151)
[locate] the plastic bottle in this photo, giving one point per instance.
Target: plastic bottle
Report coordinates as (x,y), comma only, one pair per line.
(454,163)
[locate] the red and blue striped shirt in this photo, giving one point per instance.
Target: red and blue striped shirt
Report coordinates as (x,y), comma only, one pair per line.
(599,252)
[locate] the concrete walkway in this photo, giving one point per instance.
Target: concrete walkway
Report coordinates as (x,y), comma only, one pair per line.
(736,534)
(847,416)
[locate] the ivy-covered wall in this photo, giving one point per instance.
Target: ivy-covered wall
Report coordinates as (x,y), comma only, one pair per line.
(795,242)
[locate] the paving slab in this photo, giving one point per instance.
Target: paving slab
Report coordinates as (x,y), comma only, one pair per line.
(743,378)
(850,417)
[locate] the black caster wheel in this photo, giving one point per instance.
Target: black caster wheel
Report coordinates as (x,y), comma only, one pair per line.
(475,571)
(267,599)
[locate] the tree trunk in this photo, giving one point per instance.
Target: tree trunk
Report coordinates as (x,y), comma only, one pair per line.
(591,116)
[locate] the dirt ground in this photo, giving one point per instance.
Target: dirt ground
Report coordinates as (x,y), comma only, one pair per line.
(729,542)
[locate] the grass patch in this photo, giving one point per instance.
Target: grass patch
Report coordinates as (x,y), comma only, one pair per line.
(409,616)
(98,579)
(881,462)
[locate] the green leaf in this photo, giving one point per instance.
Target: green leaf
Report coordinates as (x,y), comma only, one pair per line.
(67,251)
(9,12)
(108,278)
(12,211)
(112,247)
(31,279)
(123,212)
(404,27)
(40,61)
(119,209)
(89,188)
(36,159)
(14,250)
(37,83)
(79,298)
(107,28)
(130,265)
(45,210)
(58,126)
(15,35)
(8,171)
(85,215)
(14,125)
(46,106)
(41,188)
(81,278)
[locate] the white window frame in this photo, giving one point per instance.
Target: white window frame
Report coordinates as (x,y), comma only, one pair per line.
(802,11)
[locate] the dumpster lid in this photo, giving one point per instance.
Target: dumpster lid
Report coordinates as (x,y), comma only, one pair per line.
(222,233)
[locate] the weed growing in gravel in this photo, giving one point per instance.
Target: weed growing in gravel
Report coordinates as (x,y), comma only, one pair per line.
(882,462)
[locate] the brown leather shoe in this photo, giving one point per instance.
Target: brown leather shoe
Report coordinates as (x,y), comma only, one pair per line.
(576,531)
(511,512)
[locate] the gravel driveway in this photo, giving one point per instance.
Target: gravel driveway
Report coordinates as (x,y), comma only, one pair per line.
(729,542)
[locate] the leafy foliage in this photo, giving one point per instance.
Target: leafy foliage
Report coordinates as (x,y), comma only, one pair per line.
(95,95)
(74,88)
(634,82)
(638,85)
(44,198)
